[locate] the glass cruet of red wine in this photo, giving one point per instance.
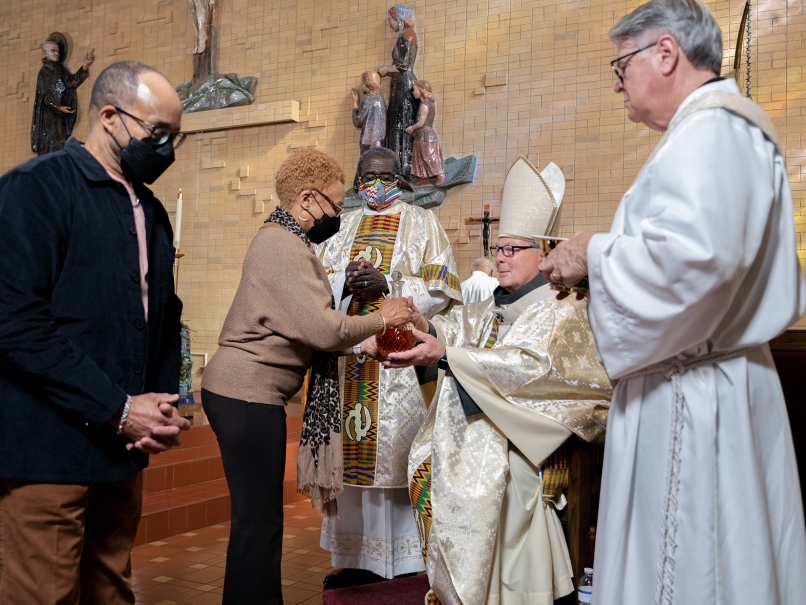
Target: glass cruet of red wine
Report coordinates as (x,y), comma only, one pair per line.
(396,340)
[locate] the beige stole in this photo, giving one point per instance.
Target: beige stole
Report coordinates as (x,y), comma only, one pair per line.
(729,101)
(534,435)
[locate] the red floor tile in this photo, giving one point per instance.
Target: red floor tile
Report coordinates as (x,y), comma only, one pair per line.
(188,569)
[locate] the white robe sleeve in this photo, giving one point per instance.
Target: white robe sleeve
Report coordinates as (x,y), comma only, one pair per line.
(429,302)
(683,267)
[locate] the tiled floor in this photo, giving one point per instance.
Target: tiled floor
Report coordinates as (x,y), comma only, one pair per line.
(189,569)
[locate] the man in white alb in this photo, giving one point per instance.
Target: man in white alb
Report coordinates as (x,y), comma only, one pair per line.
(700,497)
(481,283)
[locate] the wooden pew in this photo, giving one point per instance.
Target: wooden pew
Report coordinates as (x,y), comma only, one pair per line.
(789,353)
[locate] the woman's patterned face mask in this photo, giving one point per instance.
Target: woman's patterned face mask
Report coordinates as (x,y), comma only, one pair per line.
(379,195)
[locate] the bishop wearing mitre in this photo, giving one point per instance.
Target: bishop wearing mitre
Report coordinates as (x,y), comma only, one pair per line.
(520,376)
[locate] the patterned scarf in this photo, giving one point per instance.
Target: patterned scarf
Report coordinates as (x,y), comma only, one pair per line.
(378,195)
(319,459)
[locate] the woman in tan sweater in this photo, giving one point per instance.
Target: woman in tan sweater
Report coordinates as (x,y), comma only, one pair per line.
(282,315)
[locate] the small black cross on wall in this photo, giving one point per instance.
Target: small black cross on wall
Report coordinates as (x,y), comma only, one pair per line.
(485,231)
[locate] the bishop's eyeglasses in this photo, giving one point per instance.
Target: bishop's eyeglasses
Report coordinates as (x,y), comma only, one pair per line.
(508,250)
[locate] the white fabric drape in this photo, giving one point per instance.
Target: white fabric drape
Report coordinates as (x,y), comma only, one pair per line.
(375,530)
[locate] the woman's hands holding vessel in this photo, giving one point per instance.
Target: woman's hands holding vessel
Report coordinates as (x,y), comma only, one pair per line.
(397,311)
(428,350)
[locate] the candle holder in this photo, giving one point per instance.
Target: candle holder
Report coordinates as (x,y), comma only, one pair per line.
(177,256)
(547,244)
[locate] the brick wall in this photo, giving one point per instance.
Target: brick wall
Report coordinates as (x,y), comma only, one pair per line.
(556,103)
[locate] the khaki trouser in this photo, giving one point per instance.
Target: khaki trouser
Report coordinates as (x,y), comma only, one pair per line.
(68,544)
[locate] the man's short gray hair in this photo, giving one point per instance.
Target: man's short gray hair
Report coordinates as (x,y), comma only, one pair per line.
(483,264)
(688,21)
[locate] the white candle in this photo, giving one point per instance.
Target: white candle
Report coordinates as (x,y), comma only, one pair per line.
(178,225)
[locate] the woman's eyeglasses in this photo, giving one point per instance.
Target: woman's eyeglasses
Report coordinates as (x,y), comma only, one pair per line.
(336,208)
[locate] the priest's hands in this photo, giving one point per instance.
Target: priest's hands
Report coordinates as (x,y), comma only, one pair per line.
(370,348)
(567,264)
(427,353)
(417,319)
(363,277)
(153,424)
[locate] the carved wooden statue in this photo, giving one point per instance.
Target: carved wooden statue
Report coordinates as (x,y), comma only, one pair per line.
(208,89)
(204,15)
(402,104)
(426,156)
(56,100)
(370,115)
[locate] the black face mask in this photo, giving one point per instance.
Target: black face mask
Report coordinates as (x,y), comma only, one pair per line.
(143,160)
(323,228)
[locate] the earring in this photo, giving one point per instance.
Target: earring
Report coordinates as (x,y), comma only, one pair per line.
(304,220)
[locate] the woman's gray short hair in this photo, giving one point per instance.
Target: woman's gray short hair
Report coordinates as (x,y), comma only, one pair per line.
(689,21)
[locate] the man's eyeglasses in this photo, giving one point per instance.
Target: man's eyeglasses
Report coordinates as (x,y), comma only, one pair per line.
(386,178)
(336,208)
(615,62)
(159,134)
(508,250)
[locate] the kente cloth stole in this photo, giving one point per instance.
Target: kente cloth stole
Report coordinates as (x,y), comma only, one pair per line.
(555,474)
(375,243)
(431,598)
(439,273)
(420,484)
(493,337)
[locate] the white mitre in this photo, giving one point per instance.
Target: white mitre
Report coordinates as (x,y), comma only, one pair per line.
(531,201)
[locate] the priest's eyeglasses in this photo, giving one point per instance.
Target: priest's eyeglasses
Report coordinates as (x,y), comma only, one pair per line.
(508,250)
(159,134)
(386,178)
(615,65)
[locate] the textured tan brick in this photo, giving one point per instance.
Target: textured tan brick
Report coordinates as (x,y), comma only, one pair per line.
(557,104)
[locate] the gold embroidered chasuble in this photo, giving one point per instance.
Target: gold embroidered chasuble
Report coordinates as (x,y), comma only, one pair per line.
(384,408)
(489,534)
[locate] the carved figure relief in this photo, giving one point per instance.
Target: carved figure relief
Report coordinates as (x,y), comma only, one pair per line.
(56,99)
(370,115)
(426,156)
(201,13)
(208,89)
(402,103)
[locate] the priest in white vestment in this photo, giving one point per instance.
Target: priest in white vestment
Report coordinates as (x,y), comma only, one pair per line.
(700,499)
(374,535)
(521,377)
(481,283)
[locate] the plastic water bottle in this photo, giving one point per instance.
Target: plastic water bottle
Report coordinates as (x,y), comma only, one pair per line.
(585,589)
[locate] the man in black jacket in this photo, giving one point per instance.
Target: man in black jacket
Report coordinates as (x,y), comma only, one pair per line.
(89,346)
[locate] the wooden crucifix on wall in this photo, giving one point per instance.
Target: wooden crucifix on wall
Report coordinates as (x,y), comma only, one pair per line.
(485,220)
(205,26)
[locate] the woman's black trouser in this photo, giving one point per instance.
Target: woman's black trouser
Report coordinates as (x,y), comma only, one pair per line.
(252,440)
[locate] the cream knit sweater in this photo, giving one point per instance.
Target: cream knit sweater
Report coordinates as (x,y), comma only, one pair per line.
(281,314)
